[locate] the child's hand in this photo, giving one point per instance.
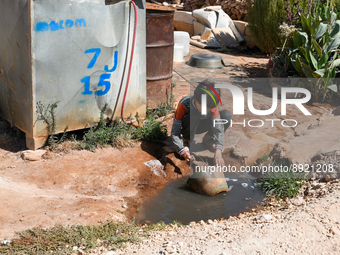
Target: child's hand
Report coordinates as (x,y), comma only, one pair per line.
(218,158)
(186,155)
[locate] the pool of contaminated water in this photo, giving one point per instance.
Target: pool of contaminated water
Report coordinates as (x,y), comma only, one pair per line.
(178,202)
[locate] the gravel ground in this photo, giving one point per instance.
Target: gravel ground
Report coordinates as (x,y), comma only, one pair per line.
(307,224)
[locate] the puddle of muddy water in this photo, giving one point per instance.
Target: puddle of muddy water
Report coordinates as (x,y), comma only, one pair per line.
(177,202)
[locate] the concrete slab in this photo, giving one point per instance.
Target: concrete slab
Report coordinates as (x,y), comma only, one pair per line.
(225,36)
(208,18)
(199,28)
(241,26)
(183,16)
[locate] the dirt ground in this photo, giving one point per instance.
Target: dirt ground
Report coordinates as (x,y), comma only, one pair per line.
(77,187)
(68,186)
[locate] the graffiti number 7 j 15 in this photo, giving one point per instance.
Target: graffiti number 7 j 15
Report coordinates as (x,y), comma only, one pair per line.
(104,80)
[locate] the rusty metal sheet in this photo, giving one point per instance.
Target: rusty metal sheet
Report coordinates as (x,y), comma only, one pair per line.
(15,68)
(75,51)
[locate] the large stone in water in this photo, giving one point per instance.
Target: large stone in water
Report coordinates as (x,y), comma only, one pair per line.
(208,183)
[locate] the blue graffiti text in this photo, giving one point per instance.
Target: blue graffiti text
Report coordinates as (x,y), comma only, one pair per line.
(55,26)
(104,79)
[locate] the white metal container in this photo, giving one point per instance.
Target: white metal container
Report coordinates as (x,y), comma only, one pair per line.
(183,38)
(72,52)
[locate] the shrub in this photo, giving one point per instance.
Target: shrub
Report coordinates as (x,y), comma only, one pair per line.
(265,16)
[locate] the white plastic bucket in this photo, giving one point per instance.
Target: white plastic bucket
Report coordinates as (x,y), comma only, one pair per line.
(178,52)
(183,38)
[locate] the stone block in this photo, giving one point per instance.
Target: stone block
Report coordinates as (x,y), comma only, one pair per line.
(207,35)
(241,26)
(182,26)
(196,37)
(185,17)
(213,43)
(207,18)
(199,28)
(237,33)
(223,19)
(225,36)
(33,155)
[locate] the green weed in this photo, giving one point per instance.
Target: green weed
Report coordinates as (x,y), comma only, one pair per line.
(159,226)
(178,224)
(61,240)
(46,113)
(263,158)
(282,184)
(120,134)
(161,110)
(164,108)
(151,130)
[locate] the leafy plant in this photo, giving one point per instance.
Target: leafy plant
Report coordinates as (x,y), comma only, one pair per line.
(293,12)
(315,52)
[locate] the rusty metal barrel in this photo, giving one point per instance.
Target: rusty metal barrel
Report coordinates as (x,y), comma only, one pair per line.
(159,56)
